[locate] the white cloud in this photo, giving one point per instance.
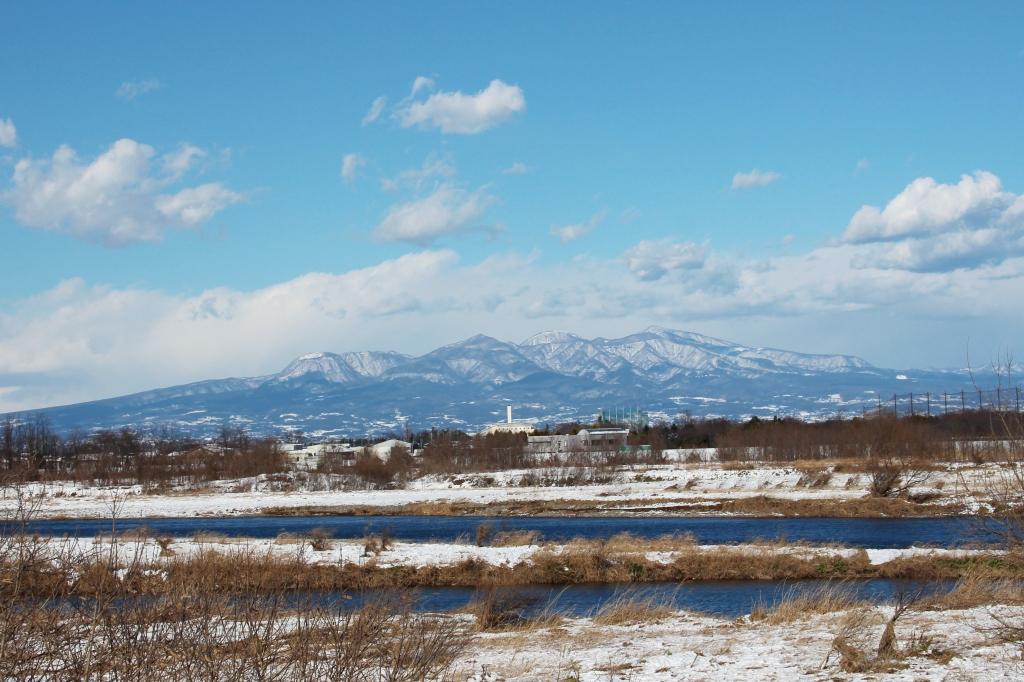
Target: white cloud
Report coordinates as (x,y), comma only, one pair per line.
(650,260)
(418,179)
(755,178)
(421,83)
(929,207)
(931,226)
(457,112)
(80,341)
(180,161)
(350,165)
(116,198)
(375,110)
(517,168)
(569,233)
(8,133)
(129,90)
(448,210)
(195,205)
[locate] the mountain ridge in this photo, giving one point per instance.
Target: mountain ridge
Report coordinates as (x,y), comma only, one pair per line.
(550,376)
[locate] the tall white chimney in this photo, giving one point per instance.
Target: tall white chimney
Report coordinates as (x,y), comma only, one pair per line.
(508,414)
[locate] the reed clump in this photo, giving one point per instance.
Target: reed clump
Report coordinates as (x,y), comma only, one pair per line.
(631,609)
(799,603)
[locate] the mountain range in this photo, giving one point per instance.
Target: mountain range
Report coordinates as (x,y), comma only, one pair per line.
(549,378)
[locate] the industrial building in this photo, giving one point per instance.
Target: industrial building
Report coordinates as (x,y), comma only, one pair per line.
(509,425)
(586,440)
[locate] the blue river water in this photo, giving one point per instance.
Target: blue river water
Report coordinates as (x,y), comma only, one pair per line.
(854,532)
(728,598)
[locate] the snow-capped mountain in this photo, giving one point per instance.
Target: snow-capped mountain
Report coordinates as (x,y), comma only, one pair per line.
(341,367)
(661,354)
(552,376)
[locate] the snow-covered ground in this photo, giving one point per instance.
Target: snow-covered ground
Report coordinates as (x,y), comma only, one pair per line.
(666,484)
(148,551)
(950,645)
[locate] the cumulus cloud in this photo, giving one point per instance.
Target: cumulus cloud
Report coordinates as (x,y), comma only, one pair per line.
(935,226)
(118,197)
(8,133)
(350,165)
(755,178)
(447,210)
(459,113)
(569,233)
(375,110)
(650,260)
(129,90)
(929,207)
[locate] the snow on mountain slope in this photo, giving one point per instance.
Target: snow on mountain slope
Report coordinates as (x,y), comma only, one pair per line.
(660,355)
(569,354)
(479,359)
(552,376)
(341,368)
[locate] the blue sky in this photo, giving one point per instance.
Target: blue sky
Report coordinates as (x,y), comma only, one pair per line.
(594,167)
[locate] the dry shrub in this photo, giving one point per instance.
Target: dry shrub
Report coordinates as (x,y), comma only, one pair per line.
(483,534)
(853,640)
(817,477)
(978,587)
(211,616)
(797,603)
(285,538)
(505,610)
(515,538)
(165,546)
(320,539)
(629,609)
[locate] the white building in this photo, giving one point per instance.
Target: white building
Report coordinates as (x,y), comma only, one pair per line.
(310,456)
(383,449)
(509,425)
(586,440)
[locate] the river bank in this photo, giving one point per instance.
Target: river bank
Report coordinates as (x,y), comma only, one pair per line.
(816,489)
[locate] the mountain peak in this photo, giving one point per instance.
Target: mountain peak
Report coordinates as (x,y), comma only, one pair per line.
(544,338)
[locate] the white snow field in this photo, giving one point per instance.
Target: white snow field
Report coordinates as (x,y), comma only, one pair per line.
(947,645)
(668,484)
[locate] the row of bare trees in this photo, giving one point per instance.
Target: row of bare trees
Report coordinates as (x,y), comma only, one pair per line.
(30,450)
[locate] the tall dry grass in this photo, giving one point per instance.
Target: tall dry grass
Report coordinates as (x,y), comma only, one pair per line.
(797,603)
(102,612)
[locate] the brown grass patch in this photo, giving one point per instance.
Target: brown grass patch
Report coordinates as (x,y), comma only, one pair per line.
(497,610)
(515,538)
(627,609)
(797,604)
